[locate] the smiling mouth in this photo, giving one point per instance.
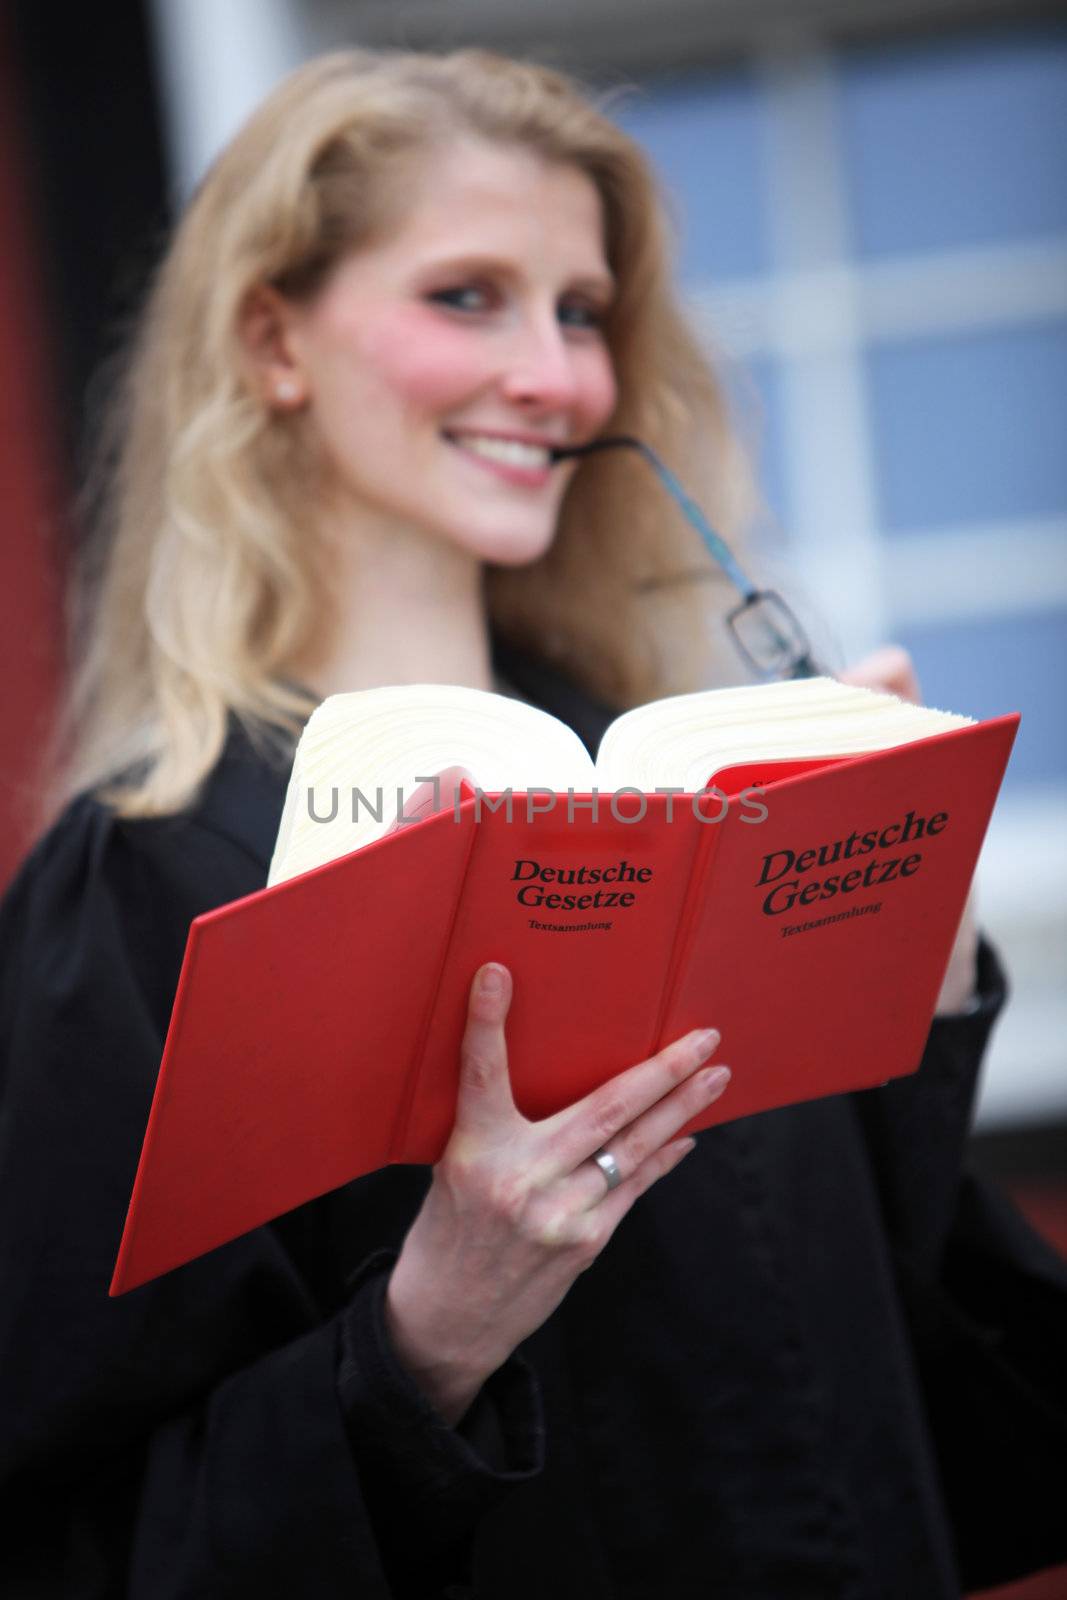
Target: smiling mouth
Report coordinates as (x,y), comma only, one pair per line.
(508,452)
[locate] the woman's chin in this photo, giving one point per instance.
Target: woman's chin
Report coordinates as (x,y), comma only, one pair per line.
(503,547)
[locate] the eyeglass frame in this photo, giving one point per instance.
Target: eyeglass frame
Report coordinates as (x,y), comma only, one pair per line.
(801,663)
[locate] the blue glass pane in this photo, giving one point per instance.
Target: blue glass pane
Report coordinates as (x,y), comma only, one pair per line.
(971,428)
(956,143)
(758,405)
(704,136)
(995,665)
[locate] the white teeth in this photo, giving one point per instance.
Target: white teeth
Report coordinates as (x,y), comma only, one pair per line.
(509,450)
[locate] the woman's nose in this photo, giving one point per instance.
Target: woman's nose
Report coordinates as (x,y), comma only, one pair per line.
(541,369)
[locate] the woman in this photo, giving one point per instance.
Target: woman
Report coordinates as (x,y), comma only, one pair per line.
(528,1371)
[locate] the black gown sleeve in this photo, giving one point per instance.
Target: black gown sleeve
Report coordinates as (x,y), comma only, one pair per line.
(190,1438)
(986,1302)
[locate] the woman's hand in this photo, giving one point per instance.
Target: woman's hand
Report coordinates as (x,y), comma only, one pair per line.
(892,670)
(517,1209)
(889,669)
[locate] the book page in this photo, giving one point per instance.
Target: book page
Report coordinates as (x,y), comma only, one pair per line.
(680,740)
(363,756)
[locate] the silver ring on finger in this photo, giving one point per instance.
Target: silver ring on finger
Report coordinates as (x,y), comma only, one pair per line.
(609,1167)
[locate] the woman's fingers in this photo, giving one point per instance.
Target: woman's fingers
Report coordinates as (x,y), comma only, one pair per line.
(617,1202)
(484,1086)
(573,1135)
(890,669)
(590,1229)
(643,1143)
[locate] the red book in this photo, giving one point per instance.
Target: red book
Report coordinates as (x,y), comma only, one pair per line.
(316,1028)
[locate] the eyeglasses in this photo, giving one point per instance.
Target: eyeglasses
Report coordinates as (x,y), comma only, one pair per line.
(764,629)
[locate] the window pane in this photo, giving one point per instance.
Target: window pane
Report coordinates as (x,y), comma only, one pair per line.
(704,136)
(758,403)
(971,428)
(959,143)
(987,668)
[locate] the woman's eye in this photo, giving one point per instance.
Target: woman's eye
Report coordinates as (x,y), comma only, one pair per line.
(578,314)
(469,297)
(475,297)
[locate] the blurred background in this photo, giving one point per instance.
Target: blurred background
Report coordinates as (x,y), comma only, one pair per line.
(871,204)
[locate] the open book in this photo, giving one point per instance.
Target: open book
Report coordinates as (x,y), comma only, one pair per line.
(366,762)
(804,903)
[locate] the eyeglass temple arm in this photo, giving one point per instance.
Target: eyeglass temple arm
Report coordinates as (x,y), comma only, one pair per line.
(804,666)
(715,543)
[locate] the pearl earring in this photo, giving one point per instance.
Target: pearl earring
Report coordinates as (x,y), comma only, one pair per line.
(285,389)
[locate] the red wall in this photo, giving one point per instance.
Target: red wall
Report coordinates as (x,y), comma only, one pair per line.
(29,495)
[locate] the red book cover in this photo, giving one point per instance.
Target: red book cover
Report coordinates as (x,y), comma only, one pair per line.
(316,1028)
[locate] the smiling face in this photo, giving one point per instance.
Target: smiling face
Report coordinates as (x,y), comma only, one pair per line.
(438,363)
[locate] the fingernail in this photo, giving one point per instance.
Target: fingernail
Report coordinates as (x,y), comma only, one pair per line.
(492,982)
(706,1041)
(717,1079)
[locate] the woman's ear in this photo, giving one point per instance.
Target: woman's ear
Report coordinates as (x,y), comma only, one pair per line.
(265,326)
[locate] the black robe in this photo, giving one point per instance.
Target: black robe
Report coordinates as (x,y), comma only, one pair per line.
(812,1362)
